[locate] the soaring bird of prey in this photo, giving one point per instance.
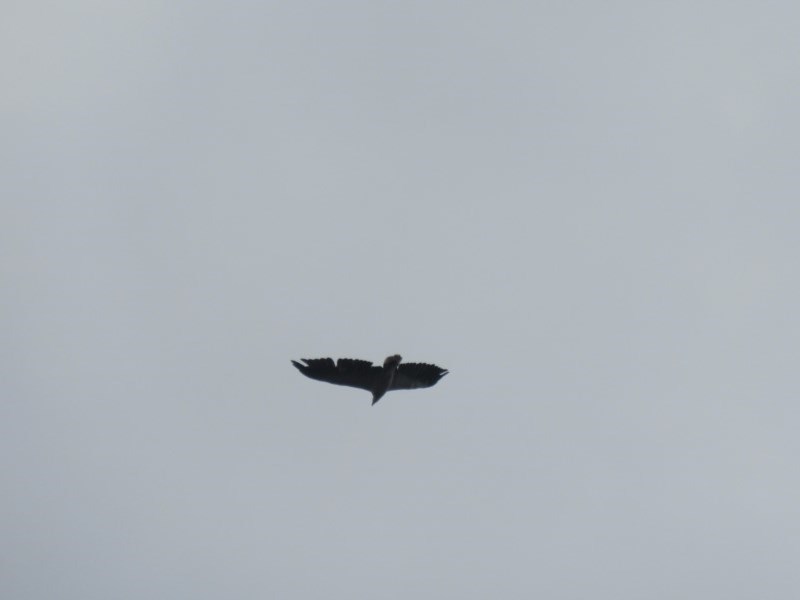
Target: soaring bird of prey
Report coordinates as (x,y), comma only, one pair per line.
(363,374)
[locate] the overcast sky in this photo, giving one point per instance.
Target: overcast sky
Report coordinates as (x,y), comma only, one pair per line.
(587,211)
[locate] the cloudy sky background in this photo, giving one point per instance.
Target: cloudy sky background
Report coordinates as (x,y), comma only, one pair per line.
(588,212)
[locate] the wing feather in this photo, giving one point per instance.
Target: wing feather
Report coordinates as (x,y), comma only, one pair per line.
(345,371)
(410,376)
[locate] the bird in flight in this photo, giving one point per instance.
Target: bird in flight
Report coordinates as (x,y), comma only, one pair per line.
(363,374)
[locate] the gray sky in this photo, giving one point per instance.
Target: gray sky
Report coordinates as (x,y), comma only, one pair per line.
(586,211)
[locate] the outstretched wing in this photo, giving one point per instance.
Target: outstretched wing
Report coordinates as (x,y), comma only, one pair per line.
(346,371)
(416,375)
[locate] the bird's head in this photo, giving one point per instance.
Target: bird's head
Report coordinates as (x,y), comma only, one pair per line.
(394,359)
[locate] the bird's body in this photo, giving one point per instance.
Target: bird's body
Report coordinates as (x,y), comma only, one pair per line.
(363,374)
